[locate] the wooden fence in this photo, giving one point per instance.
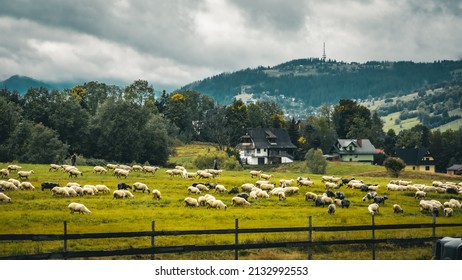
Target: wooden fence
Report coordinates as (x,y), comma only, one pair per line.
(152,250)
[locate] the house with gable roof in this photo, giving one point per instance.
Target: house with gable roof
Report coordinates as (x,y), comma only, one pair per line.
(266,146)
(455,169)
(417,159)
(354,150)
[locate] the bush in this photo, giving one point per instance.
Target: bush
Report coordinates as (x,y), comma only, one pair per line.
(206,160)
(315,161)
(394,166)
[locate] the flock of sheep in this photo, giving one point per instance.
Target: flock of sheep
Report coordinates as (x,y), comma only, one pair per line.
(199,194)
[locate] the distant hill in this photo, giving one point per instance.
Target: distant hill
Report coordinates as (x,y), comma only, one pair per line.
(22,83)
(311,82)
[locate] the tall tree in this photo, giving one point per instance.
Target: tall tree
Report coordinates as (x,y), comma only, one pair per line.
(139,92)
(237,121)
(344,116)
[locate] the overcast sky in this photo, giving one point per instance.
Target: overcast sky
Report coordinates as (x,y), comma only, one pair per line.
(175,42)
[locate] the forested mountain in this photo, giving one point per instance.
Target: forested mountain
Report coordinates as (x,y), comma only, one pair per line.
(314,81)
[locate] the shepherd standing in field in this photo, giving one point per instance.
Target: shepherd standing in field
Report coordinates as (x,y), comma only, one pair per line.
(73,159)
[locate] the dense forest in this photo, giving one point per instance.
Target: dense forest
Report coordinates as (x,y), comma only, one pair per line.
(106,123)
(316,82)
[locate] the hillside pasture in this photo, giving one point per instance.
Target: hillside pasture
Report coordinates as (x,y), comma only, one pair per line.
(33,212)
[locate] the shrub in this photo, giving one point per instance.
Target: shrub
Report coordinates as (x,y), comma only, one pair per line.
(224,161)
(394,166)
(315,161)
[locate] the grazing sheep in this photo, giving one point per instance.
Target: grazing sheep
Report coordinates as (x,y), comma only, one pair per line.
(128,194)
(202,188)
(234,190)
(281,196)
(330,186)
(137,167)
(319,202)
(420,194)
(220,189)
(255,173)
(247,187)
(218,204)
(118,194)
(78,190)
(156,194)
(150,169)
(397,209)
(265,176)
(448,212)
(339,195)
(338,202)
(252,195)
(310,196)
(345,203)
(373,208)
(27,186)
(123,186)
(49,185)
(291,191)
(327,200)
(246,196)
(239,201)
(369,196)
(17,183)
(205,175)
(74,173)
(4,173)
(102,189)
(286,183)
(330,193)
(112,166)
(373,187)
(262,194)
(267,186)
(331,209)
(4,197)
(456,203)
(80,208)
(305,182)
(89,190)
(99,170)
(9,186)
(380,199)
(191,202)
(138,186)
(25,174)
(14,167)
(119,172)
(192,189)
(58,191)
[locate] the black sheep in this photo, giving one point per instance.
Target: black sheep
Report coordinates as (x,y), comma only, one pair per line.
(364,188)
(330,193)
(339,195)
(345,203)
(123,186)
(319,202)
(234,190)
(244,196)
(380,199)
(49,185)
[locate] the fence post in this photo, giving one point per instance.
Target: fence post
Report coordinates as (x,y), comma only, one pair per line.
(65,239)
(153,226)
(310,237)
(236,239)
(434,233)
(373,237)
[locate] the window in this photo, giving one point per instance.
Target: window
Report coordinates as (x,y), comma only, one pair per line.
(258,151)
(413,168)
(427,168)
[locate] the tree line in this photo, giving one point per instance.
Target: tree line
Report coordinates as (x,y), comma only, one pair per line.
(131,124)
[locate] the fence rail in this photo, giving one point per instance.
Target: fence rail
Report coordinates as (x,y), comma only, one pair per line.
(152,250)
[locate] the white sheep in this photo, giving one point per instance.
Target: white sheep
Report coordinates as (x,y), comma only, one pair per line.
(262,194)
(305,182)
(397,209)
(253,195)
(156,194)
(265,176)
(128,194)
(420,194)
(448,212)
(202,188)
(89,190)
(150,169)
(220,189)
(331,208)
(137,167)
(247,187)
(119,172)
(118,194)
(286,182)
(239,201)
(266,186)
(27,186)
(112,166)
(4,197)
(455,202)
(310,196)
(79,208)
(54,167)
(191,202)
(373,188)
(291,191)
(74,172)
(99,170)
(276,191)
(4,173)
(255,173)
(218,204)
(25,174)
(102,189)
(78,189)
(8,186)
(195,190)
(71,191)
(14,167)
(17,183)
(59,191)
(259,182)
(281,196)
(331,186)
(138,186)
(373,208)
(327,200)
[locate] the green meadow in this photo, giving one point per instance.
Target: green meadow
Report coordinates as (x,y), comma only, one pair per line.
(38,212)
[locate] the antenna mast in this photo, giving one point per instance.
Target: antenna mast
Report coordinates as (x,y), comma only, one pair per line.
(324,52)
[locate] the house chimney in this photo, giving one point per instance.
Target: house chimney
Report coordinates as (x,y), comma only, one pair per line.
(360,142)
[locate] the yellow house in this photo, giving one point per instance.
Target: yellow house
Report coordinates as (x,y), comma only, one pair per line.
(417,159)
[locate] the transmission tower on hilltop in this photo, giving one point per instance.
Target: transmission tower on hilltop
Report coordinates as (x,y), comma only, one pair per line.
(324,52)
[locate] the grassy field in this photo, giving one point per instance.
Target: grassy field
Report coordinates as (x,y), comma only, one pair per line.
(37,211)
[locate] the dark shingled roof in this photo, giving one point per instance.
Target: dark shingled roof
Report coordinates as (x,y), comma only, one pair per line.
(455,167)
(270,138)
(414,156)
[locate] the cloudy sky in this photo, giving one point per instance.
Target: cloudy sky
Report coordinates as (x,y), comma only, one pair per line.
(174,42)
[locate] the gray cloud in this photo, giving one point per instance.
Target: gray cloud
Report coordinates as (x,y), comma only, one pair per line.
(176,42)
